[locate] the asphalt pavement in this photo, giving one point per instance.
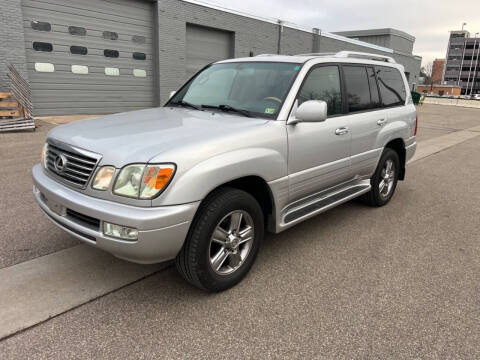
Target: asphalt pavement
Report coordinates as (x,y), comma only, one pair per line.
(397,282)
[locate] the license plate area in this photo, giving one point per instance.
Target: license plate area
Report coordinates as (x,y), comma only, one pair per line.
(56,207)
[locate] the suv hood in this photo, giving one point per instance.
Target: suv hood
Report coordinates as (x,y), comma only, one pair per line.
(138,136)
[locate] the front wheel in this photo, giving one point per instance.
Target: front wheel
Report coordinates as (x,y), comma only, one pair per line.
(223,241)
(384,180)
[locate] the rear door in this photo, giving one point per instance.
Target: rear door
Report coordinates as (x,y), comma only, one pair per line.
(366,117)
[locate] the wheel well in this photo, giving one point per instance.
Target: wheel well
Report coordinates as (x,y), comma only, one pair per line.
(399,146)
(259,189)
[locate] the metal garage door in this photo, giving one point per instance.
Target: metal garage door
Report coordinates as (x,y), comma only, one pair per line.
(206,45)
(89,56)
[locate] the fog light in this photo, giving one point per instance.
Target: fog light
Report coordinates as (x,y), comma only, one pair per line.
(121,232)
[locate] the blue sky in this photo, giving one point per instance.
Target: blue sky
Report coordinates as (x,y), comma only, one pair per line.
(428,20)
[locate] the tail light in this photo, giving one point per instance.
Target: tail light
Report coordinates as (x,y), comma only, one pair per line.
(416,126)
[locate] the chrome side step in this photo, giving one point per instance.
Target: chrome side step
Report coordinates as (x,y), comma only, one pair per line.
(305,210)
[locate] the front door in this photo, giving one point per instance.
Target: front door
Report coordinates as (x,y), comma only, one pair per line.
(319,152)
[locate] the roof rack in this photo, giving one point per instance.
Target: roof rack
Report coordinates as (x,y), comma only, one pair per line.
(362,55)
(355,54)
(266,55)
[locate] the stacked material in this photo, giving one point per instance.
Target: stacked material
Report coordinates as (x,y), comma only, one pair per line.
(16,106)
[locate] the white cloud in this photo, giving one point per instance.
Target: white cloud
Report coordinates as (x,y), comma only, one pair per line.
(428,20)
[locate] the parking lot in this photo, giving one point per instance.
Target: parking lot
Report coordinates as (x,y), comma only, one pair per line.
(400,281)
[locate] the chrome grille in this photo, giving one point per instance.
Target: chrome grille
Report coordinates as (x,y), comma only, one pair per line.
(72,166)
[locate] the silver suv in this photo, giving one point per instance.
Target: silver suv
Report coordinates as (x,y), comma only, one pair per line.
(246,145)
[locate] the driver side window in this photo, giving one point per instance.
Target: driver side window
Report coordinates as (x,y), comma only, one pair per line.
(323,83)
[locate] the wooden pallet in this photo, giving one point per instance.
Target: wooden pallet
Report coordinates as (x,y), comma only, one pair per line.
(17,124)
(12,114)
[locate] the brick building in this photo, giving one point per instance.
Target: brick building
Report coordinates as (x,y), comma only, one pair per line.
(97,56)
(438,68)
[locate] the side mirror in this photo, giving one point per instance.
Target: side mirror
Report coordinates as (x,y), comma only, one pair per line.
(310,111)
(171,94)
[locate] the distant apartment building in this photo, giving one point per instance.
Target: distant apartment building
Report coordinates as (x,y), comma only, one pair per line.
(437,71)
(463,66)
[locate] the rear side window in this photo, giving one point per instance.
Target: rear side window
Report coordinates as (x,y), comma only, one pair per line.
(323,83)
(358,88)
(392,88)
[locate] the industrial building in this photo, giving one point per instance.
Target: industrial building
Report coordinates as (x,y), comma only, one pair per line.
(463,65)
(103,56)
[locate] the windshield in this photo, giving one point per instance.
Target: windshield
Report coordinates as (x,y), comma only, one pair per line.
(252,88)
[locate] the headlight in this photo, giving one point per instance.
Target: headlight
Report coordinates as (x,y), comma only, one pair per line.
(143,181)
(44,155)
(103,178)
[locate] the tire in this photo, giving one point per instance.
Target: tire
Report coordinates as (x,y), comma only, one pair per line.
(201,253)
(376,197)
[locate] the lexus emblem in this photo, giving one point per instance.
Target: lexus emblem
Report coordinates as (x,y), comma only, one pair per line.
(60,163)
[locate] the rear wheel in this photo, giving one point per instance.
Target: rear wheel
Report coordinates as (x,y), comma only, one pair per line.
(384,180)
(223,241)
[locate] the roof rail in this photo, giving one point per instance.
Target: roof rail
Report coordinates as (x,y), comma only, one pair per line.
(266,55)
(354,54)
(362,55)
(318,54)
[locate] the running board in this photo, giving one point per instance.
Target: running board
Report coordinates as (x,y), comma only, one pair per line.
(324,202)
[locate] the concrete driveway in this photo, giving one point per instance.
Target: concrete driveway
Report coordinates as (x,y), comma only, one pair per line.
(400,281)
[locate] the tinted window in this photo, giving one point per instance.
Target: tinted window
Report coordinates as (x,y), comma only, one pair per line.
(40,26)
(139,56)
(323,83)
(358,89)
(391,86)
(42,46)
(76,30)
(138,39)
(374,97)
(110,53)
(78,50)
(110,35)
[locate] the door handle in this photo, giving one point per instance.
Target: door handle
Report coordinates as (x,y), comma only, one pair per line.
(342,131)
(381,122)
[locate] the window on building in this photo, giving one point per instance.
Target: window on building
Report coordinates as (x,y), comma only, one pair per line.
(358,90)
(323,83)
(41,26)
(110,35)
(139,56)
(44,67)
(111,53)
(42,46)
(77,30)
(78,50)
(392,88)
(138,39)
(139,73)
(110,71)
(80,69)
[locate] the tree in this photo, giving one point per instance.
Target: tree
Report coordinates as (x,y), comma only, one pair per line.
(426,72)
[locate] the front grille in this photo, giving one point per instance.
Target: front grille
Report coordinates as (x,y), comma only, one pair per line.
(77,169)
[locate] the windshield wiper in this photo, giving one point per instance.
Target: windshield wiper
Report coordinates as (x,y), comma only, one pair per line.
(186,104)
(228,108)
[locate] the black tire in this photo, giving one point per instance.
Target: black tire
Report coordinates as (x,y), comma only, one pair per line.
(374,197)
(193,261)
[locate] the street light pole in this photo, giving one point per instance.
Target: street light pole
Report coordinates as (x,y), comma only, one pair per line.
(463,24)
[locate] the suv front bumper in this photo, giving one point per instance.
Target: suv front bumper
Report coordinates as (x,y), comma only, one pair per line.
(161,230)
